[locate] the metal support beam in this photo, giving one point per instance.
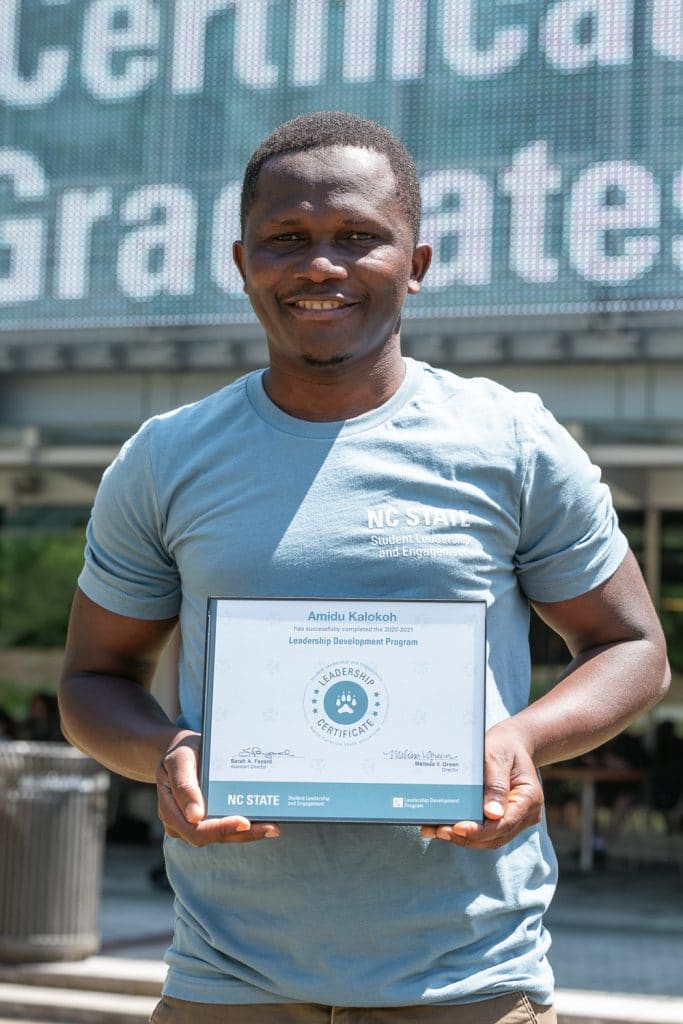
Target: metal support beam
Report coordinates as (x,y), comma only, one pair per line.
(652,553)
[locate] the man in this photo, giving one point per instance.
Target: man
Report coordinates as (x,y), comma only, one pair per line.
(263,490)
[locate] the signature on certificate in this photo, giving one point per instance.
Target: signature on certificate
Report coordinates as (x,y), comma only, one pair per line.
(403,754)
(259,752)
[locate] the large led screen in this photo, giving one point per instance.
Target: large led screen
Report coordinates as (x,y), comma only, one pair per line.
(548,135)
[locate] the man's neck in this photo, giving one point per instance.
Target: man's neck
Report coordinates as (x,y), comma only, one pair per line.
(329,394)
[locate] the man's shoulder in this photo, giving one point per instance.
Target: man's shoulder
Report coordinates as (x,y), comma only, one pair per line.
(197,422)
(481,393)
(180,436)
(225,404)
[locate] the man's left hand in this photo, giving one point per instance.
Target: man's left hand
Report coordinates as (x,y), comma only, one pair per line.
(513,796)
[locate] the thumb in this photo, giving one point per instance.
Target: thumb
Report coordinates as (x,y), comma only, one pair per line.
(180,764)
(496,788)
(194,809)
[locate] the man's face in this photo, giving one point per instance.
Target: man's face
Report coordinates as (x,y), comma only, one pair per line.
(327,257)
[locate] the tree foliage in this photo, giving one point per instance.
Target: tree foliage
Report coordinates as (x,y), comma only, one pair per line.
(38,574)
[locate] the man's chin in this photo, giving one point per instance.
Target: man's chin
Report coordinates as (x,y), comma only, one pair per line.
(331,361)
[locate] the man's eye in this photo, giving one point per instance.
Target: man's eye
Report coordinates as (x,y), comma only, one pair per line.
(361,236)
(288,236)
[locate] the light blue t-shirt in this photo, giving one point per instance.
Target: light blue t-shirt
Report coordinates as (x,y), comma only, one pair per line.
(454,488)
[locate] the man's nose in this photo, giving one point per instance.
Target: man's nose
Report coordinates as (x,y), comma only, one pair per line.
(321,263)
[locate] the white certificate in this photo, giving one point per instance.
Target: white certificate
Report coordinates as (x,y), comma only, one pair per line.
(344,710)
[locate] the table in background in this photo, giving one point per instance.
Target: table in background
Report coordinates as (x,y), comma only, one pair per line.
(588,775)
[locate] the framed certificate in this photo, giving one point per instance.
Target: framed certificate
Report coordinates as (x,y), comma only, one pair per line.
(344,710)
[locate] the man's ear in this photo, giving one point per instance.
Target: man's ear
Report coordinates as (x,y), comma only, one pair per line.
(238,259)
(422,257)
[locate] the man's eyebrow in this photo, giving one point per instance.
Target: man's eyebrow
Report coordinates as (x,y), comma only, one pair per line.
(287,220)
(361,220)
(284,221)
(293,221)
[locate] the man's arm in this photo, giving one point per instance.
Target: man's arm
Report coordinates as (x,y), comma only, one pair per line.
(618,670)
(108,712)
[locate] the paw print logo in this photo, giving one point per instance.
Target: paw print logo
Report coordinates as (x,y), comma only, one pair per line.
(346,703)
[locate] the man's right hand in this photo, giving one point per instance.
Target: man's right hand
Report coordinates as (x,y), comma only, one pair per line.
(108,712)
(181,804)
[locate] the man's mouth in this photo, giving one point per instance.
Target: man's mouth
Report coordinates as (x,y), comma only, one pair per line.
(319,304)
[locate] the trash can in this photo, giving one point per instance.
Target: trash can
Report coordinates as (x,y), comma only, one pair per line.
(52,826)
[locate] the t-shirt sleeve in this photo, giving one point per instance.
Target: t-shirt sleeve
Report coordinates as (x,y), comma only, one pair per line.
(570,540)
(128,569)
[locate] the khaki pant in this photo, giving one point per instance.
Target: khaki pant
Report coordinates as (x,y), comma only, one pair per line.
(511,1009)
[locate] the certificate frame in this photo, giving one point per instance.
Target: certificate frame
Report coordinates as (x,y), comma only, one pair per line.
(330,719)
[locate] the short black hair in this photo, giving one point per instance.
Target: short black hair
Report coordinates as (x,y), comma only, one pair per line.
(323,128)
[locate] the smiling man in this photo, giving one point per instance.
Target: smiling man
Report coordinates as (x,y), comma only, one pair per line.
(328,255)
(279,485)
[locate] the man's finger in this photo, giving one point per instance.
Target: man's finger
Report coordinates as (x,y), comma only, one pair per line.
(494,807)
(190,801)
(235,830)
(227,830)
(473,835)
(497,769)
(180,768)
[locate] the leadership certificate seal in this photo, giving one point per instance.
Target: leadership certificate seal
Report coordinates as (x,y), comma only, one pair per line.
(346,703)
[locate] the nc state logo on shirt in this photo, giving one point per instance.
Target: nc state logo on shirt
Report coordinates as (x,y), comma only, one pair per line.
(390,517)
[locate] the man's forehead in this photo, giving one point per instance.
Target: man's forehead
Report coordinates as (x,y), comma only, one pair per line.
(351,167)
(345,178)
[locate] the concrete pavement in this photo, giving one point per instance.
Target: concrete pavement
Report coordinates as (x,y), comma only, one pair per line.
(617,950)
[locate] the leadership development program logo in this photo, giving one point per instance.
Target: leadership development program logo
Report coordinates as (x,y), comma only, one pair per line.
(346,703)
